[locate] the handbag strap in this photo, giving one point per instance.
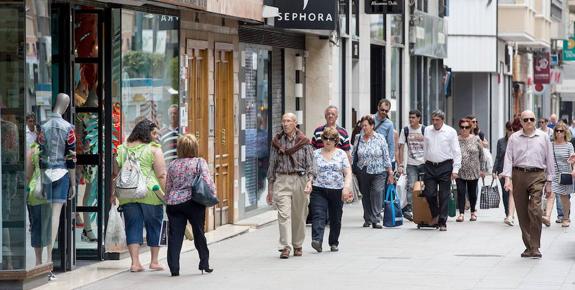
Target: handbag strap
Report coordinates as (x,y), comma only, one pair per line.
(555,157)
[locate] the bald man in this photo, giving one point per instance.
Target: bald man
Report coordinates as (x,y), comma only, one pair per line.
(290,175)
(528,170)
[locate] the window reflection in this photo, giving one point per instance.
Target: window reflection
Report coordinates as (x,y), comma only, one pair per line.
(150,74)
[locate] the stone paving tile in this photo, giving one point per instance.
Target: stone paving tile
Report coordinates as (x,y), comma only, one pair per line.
(478,255)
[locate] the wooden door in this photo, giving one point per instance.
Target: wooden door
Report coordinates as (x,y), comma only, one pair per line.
(198,97)
(224,135)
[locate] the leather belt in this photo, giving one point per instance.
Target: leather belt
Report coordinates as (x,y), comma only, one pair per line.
(439,163)
(300,173)
(525,169)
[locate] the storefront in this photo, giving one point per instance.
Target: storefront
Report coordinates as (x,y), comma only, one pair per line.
(118,65)
(267,75)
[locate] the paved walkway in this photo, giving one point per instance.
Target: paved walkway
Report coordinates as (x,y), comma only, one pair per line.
(478,255)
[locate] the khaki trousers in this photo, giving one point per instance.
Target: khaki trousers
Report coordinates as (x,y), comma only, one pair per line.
(527,193)
(292,204)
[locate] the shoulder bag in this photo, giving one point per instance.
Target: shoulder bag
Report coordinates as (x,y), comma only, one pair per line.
(564,178)
(201,192)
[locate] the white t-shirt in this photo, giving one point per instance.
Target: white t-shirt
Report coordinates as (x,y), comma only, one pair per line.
(414,142)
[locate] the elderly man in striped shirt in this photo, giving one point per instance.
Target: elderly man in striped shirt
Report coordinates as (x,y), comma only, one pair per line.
(290,174)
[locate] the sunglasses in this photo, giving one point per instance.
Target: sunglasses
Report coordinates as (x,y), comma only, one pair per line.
(328,139)
(559,131)
(465,127)
(384,110)
(542,122)
(474,121)
(525,120)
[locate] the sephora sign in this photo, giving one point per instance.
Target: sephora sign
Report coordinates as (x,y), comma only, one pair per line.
(306,14)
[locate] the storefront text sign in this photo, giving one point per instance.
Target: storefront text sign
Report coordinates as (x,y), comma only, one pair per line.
(306,14)
(541,68)
(569,49)
(384,6)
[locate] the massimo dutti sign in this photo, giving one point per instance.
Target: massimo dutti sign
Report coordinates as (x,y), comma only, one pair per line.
(383,6)
(306,14)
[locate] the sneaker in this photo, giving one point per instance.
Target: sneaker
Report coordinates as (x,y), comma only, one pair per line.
(333,248)
(316,245)
(443,228)
(51,276)
(377,226)
(366,225)
(509,222)
(559,220)
(536,254)
(408,216)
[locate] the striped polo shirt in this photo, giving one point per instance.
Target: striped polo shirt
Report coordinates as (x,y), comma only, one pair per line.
(343,143)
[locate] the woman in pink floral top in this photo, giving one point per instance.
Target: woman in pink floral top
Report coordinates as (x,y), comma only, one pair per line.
(180,207)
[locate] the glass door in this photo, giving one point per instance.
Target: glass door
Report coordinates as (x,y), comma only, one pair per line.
(87,90)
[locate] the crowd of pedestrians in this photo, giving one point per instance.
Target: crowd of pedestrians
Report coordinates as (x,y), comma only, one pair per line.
(313,178)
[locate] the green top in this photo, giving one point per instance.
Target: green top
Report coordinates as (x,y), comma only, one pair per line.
(146,158)
(33,200)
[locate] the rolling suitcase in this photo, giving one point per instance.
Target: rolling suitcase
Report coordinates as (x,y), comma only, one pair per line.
(421,213)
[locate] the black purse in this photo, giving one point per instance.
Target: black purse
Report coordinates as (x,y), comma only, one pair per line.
(564,178)
(354,168)
(201,192)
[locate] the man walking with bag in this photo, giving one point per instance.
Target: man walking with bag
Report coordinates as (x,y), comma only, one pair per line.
(528,170)
(291,172)
(384,126)
(412,136)
(442,163)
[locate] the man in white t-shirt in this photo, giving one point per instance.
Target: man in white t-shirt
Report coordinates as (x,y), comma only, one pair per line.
(411,135)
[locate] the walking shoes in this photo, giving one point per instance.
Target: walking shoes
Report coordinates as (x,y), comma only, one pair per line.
(285,253)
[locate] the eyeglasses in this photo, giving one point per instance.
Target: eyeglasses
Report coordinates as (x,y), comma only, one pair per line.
(465,127)
(384,110)
(328,139)
(559,131)
(525,120)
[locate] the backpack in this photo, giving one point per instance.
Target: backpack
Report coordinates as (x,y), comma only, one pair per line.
(131,182)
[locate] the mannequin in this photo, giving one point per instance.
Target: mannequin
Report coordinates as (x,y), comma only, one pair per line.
(58,163)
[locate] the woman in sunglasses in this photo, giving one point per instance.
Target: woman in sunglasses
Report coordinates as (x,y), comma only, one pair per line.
(562,149)
(472,167)
(330,188)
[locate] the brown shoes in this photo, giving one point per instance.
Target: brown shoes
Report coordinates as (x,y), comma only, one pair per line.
(526,253)
(297,252)
(285,253)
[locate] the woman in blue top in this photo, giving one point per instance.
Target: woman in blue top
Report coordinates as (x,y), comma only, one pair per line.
(330,188)
(371,157)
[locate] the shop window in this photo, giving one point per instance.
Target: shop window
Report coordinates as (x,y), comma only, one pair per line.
(256,115)
(150,74)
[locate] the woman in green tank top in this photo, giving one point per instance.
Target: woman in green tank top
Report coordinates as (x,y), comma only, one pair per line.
(147,211)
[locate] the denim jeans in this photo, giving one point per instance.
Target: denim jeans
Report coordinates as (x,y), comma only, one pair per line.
(323,200)
(559,205)
(412,172)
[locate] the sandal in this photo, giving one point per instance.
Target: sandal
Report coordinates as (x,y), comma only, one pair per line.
(473,217)
(459,218)
(566,223)
(156,267)
(545,221)
(136,269)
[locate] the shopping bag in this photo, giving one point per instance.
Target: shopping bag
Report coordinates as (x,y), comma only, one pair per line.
(490,197)
(401,188)
(392,216)
(451,203)
(115,240)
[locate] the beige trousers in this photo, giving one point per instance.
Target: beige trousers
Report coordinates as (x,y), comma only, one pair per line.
(292,204)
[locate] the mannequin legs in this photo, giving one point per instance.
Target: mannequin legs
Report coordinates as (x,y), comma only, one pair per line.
(56,210)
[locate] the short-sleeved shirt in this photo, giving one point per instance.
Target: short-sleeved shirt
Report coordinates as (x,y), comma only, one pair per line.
(330,172)
(146,158)
(342,144)
(414,143)
(372,154)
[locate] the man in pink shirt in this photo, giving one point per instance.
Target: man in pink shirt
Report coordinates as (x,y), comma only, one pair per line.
(528,170)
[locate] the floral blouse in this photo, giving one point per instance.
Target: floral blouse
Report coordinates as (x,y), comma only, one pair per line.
(330,172)
(181,174)
(372,153)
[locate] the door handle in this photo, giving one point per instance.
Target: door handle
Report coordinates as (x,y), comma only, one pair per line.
(223,136)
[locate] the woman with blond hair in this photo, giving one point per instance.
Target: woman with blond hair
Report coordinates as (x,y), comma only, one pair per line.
(562,149)
(180,206)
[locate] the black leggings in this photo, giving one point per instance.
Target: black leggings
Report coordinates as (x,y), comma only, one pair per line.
(468,187)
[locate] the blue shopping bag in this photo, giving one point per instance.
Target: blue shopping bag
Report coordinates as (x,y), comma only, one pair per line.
(392,215)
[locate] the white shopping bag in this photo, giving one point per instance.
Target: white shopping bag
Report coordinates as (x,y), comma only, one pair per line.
(115,241)
(401,188)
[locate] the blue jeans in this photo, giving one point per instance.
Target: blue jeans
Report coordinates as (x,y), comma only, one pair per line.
(323,200)
(412,172)
(138,215)
(559,205)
